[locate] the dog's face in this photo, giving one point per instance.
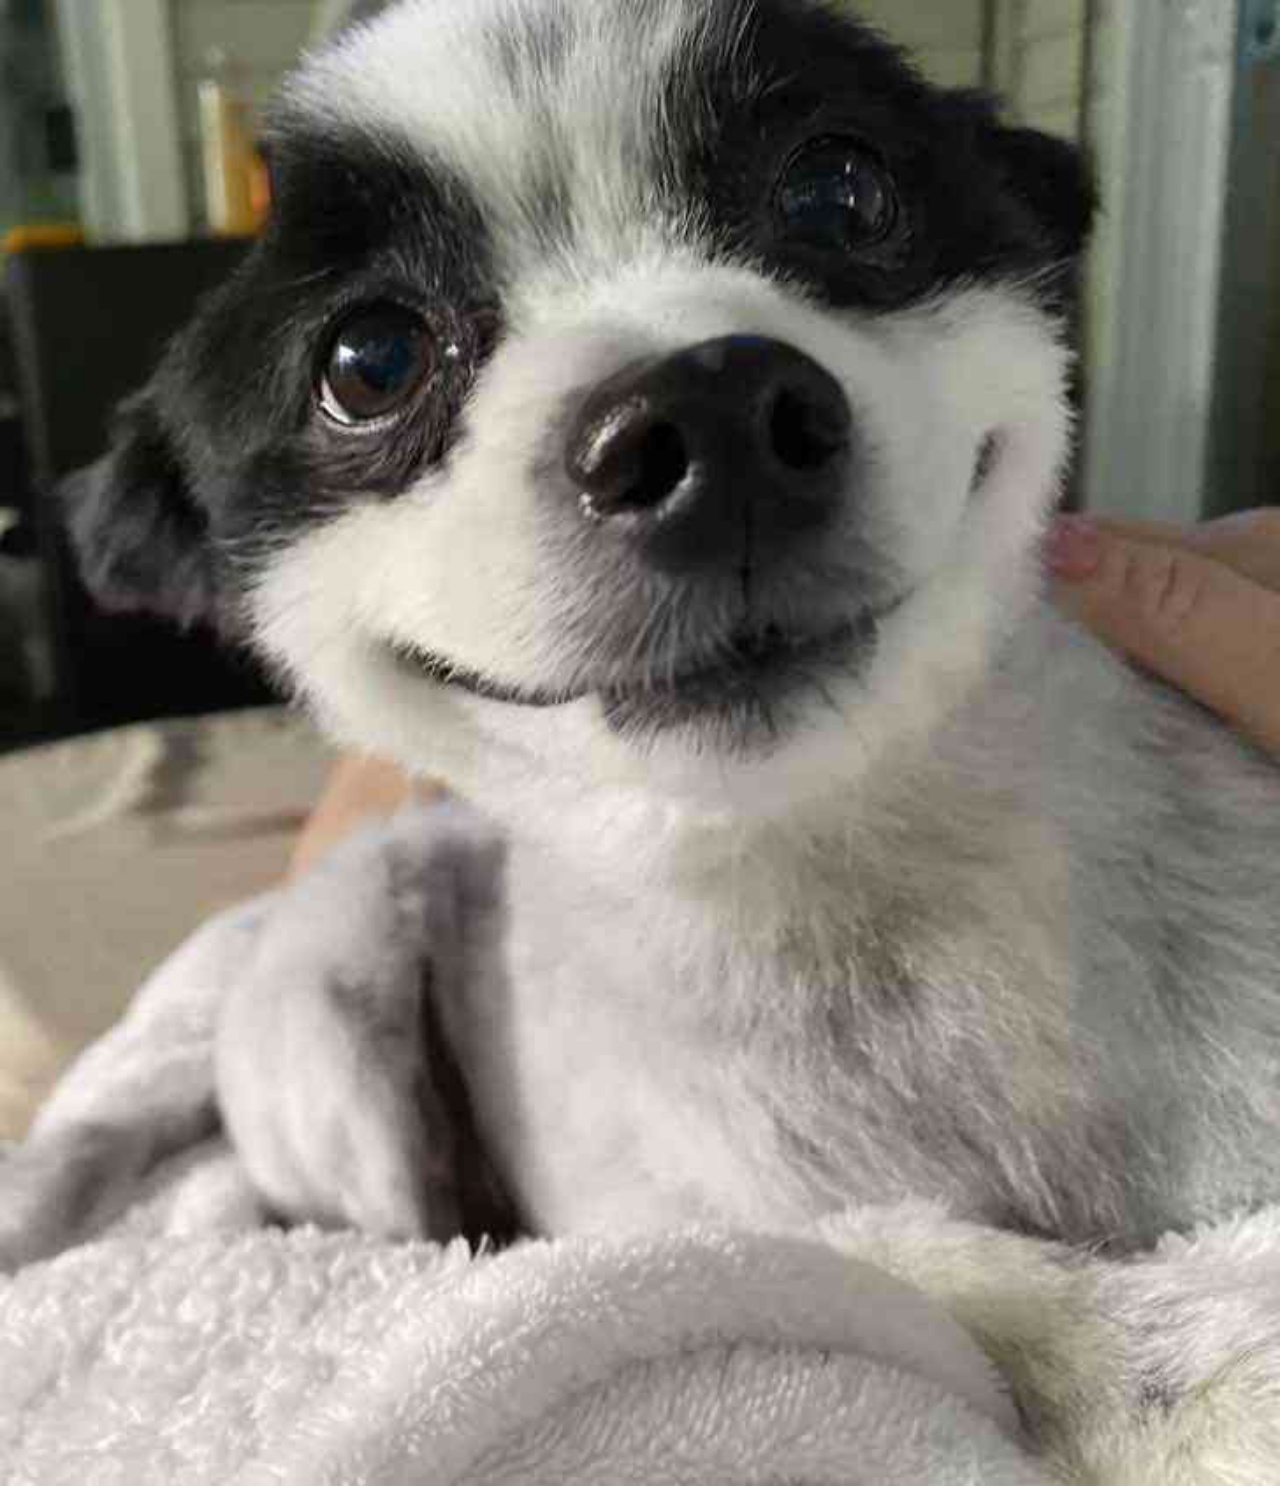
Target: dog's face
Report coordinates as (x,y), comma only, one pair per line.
(659,391)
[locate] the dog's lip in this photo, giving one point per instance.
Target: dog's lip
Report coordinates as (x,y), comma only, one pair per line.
(753,655)
(433,666)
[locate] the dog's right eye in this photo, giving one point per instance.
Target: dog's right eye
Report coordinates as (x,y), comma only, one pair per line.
(376,362)
(835,194)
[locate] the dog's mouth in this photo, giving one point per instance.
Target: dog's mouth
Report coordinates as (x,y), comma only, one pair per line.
(753,670)
(432,666)
(755,665)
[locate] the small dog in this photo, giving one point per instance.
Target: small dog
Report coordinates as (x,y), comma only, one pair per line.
(644,414)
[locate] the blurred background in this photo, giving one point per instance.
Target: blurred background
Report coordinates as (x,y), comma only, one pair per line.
(129,181)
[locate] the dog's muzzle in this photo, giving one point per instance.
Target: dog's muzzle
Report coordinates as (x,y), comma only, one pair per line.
(720,468)
(721,457)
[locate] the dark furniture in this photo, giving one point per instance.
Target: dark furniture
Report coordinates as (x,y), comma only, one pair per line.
(89,325)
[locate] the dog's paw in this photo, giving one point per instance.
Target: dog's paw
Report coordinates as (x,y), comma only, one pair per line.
(328,1058)
(321,1085)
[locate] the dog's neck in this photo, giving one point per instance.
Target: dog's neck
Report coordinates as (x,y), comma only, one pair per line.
(803,841)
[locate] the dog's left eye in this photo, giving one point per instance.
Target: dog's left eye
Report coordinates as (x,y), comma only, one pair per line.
(835,194)
(376,361)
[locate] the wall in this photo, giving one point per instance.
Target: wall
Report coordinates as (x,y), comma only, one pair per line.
(118,59)
(259,40)
(1040,52)
(1046,69)
(945,35)
(1033,52)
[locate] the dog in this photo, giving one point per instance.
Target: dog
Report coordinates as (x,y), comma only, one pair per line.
(645,414)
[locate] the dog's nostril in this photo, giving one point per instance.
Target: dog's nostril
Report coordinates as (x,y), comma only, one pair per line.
(693,457)
(662,462)
(800,435)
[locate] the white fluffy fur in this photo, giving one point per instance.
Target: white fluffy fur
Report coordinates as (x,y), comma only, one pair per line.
(1160,1371)
(919,948)
(596,125)
(455,565)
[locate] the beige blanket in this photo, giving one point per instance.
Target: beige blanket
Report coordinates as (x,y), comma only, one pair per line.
(114,847)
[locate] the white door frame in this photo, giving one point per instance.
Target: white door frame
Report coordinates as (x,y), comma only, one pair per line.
(119,60)
(1151,376)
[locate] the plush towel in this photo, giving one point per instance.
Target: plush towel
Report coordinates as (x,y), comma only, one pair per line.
(308,1357)
(153,1327)
(117,844)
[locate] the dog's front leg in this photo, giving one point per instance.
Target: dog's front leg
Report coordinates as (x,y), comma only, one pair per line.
(333,1079)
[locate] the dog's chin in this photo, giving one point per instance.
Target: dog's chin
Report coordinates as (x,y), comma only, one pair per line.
(750,699)
(745,697)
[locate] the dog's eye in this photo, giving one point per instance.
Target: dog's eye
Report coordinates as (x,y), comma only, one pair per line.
(376,362)
(836,194)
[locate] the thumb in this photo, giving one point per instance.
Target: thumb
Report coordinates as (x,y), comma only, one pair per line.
(1189,619)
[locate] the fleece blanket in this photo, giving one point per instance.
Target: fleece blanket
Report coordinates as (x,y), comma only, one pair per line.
(156,1326)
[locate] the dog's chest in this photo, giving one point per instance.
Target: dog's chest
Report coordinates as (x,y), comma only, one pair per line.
(636,1064)
(606,1100)
(1045,990)
(1049,1028)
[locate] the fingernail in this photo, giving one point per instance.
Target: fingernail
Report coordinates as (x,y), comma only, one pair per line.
(1073,548)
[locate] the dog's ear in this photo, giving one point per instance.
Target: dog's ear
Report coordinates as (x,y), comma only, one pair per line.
(141,539)
(1051,179)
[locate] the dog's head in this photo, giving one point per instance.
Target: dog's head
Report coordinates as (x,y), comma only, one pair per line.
(666,390)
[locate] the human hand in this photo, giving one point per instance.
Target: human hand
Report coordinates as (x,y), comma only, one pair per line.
(1198,606)
(359,791)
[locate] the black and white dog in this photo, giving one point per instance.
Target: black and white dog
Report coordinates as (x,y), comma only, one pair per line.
(644,414)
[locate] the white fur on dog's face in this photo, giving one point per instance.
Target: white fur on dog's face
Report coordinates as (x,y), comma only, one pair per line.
(599,179)
(931,386)
(458,564)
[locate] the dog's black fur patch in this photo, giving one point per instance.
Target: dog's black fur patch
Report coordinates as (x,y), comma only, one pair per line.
(142,539)
(224,449)
(983,203)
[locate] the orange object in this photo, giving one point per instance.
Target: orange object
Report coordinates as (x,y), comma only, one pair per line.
(229,153)
(42,235)
(360,790)
(260,190)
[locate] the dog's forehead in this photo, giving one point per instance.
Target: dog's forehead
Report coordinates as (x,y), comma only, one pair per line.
(425,65)
(576,107)
(486,87)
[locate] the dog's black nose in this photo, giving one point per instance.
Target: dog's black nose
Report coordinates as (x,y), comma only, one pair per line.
(731,448)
